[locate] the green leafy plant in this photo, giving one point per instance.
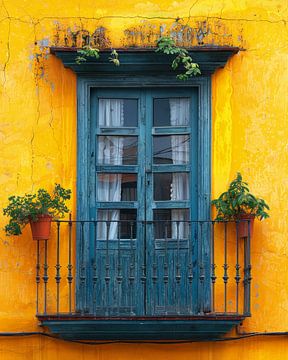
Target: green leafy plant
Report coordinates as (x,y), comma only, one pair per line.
(114,58)
(88,52)
(237,201)
(167,45)
(22,209)
(85,53)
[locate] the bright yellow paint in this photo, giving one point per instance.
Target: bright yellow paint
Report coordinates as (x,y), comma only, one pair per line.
(250,132)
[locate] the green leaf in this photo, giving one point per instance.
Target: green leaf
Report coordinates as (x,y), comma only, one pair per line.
(167,45)
(238,200)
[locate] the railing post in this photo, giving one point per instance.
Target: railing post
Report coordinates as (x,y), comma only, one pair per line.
(213,267)
(37,275)
(190,266)
(247,273)
(95,276)
(201,269)
(178,274)
(131,269)
(70,266)
(107,266)
(166,274)
(45,274)
(237,268)
(225,267)
(119,267)
(58,267)
(82,276)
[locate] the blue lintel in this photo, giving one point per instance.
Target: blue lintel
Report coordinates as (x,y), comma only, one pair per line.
(85,328)
(136,61)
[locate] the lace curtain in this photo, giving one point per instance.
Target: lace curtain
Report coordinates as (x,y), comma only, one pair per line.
(179,116)
(110,151)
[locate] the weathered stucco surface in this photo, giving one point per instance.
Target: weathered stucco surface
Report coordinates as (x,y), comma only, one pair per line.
(250,132)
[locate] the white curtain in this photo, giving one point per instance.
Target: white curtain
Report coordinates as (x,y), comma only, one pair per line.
(110,151)
(179,116)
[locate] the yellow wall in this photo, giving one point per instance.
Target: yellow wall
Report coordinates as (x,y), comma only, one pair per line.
(250,132)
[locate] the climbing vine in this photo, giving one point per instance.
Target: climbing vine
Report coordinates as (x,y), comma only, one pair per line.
(88,52)
(167,45)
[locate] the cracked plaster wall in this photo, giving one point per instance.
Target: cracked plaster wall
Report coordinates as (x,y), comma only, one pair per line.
(250,132)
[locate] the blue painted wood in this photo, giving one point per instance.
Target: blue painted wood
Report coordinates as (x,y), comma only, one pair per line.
(118,262)
(151,258)
(168,131)
(143,329)
(168,288)
(117,168)
(138,62)
(117,205)
(171,168)
(200,185)
(83,191)
(171,204)
(204,187)
(124,131)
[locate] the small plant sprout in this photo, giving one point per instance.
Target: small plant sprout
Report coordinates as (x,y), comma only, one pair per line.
(114,58)
(88,52)
(85,53)
(167,45)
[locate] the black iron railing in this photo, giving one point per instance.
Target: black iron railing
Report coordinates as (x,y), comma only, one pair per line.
(123,268)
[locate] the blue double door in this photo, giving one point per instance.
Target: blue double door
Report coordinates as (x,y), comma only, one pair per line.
(143,198)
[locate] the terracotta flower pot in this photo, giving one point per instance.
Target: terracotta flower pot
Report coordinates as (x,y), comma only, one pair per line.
(243,226)
(41,227)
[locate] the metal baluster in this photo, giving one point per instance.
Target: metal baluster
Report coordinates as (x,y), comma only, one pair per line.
(154,275)
(82,268)
(95,277)
(190,267)
(69,266)
(132,269)
(178,275)
(202,270)
(237,267)
(247,272)
(143,277)
(213,267)
(37,276)
(107,267)
(58,267)
(166,276)
(119,269)
(45,274)
(225,267)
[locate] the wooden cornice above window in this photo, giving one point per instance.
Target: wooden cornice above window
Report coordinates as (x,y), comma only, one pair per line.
(145,61)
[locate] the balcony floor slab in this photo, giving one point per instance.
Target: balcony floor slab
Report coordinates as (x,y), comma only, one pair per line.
(75,327)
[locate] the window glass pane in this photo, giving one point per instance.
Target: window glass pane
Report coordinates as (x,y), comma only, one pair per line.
(117,150)
(171,112)
(171,186)
(118,112)
(117,224)
(117,187)
(171,223)
(171,149)
(130,110)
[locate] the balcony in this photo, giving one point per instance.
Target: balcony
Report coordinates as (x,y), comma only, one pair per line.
(131,280)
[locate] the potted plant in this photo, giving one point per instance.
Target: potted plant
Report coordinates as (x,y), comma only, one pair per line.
(37,209)
(237,204)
